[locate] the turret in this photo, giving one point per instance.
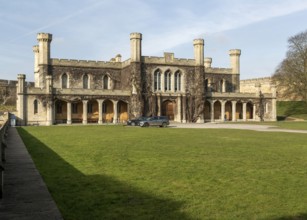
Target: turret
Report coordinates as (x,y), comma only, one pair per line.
(44,40)
(235,60)
(199,51)
(36,68)
(208,61)
(136,47)
(21,104)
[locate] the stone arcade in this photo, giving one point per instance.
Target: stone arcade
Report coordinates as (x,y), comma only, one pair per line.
(186,90)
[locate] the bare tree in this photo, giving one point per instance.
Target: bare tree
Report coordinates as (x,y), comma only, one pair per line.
(5,94)
(291,75)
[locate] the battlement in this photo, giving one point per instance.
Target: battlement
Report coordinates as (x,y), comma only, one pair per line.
(44,37)
(234,52)
(216,70)
(198,41)
(163,60)
(135,36)
(85,63)
(261,80)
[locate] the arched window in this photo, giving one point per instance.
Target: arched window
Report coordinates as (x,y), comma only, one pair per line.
(167,80)
(177,81)
(64,81)
(35,106)
(85,81)
(105,82)
(157,80)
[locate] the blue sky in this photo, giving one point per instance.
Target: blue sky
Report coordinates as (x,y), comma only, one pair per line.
(99,29)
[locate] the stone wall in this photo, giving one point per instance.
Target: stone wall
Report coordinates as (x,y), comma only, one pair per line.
(249,85)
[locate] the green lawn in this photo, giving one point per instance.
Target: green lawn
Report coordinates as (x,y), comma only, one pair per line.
(117,172)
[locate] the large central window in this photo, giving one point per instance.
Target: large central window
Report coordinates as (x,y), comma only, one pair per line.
(167,80)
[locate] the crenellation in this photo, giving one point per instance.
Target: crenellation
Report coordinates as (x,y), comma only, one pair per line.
(85,63)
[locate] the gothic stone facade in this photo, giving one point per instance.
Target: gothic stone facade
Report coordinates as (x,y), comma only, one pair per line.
(186,90)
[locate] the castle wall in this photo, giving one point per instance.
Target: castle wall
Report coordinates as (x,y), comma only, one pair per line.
(113,91)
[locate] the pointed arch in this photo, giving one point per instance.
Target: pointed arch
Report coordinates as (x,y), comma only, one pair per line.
(85,81)
(178,81)
(64,81)
(35,106)
(167,80)
(157,80)
(105,82)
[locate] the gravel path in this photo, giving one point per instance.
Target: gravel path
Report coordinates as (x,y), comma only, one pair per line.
(267,128)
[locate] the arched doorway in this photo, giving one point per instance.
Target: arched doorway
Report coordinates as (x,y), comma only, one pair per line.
(228,111)
(168,109)
(92,111)
(76,112)
(60,112)
(107,111)
(249,111)
(122,109)
(217,110)
(239,110)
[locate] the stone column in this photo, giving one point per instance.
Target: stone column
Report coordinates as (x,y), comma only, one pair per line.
(234,110)
(49,120)
(115,114)
(159,104)
(244,111)
(224,86)
(274,113)
(173,82)
(254,112)
(84,115)
(184,106)
(179,108)
(68,113)
(212,110)
(223,110)
(100,102)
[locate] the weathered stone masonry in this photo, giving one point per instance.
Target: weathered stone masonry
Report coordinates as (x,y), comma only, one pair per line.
(186,90)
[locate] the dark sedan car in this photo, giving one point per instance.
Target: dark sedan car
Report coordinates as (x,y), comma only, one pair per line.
(136,121)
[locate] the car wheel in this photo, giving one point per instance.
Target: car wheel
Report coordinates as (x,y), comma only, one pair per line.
(164,125)
(132,123)
(146,125)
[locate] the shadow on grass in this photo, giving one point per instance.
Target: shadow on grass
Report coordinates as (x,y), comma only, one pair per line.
(95,196)
(297,217)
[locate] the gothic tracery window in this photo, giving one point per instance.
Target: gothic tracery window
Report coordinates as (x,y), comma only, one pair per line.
(177,81)
(167,80)
(157,80)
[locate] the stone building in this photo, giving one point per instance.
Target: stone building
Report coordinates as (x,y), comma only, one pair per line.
(186,90)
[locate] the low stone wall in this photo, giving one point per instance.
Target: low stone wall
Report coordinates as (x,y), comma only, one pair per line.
(4,122)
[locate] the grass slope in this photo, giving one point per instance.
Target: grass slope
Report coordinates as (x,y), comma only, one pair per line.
(116,172)
(295,109)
